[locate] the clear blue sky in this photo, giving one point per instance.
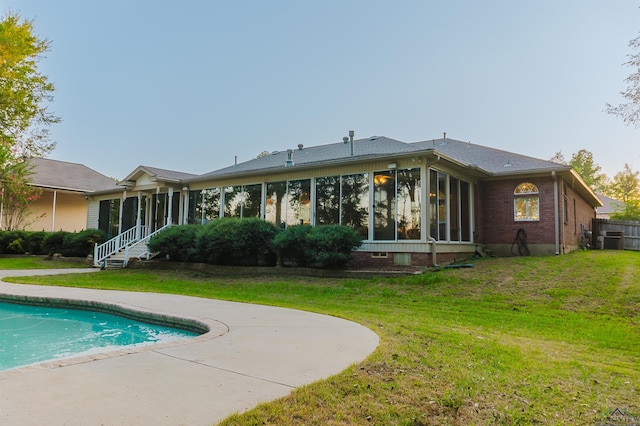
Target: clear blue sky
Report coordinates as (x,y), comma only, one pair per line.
(188,85)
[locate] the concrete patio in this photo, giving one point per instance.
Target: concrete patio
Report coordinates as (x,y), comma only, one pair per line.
(250,355)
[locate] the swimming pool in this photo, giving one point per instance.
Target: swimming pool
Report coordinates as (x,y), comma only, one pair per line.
(30,334)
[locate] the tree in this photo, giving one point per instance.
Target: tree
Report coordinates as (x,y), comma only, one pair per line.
(583,163)
(24,117)
(17,196)
(629,111)
(558,157)
(24,92)
(625,187)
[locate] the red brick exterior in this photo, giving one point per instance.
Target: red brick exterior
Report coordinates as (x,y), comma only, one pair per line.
(496,227)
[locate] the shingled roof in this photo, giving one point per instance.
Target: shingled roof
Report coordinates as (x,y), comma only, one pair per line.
(363,149)
(158,174)
(490,161)
(61,175)
(487,161)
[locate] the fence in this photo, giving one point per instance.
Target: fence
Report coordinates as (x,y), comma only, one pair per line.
(617,234)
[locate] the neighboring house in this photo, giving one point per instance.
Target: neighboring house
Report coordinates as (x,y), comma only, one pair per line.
(420,203)
(609,207)
(63,204)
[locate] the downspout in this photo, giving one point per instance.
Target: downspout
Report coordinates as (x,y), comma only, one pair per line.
(556,204)
(433,243)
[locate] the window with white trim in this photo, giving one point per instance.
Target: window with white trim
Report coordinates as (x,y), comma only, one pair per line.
(526,202)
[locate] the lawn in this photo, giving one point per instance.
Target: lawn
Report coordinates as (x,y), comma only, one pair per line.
(528,340)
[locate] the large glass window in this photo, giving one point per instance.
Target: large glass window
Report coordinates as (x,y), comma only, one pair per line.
(243,201)
(204,205)
(275,203)
(454,217)
(409,204)
(449,207)
(438,204)
(328,200)
(355,202)
(299,202)
(252,206)
(233,201)
(384,205)
(526,205)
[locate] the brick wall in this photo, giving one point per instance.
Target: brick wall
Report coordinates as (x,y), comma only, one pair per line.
(495,223)
(496,226)
(579,212)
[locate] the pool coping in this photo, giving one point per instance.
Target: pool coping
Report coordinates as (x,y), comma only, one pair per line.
(251,354)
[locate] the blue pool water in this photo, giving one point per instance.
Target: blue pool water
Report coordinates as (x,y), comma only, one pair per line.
(31,334)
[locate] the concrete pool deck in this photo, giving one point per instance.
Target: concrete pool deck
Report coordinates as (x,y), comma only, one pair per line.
(251,354)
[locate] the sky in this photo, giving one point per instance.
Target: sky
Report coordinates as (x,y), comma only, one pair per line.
(195,85)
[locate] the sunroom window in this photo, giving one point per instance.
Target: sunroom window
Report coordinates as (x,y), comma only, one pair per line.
(526,202)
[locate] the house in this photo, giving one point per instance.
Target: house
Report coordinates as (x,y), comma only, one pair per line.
(63,203)
(418,203)
(609,207)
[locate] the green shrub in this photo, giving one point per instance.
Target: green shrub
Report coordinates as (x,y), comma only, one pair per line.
(178,242)
(11,242)
(233,241)
(331,246)
(291,244)
(53,242)
(33,242)
(81,244)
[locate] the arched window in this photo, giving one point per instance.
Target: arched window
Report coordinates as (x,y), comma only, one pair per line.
(526,203)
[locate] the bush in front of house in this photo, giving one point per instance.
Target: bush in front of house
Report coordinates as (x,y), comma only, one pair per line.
(234,241)
(53,242)
(291,244)
(330,246)
(177,242)
(11,242)
(81,244)
(33,242)
(327,246)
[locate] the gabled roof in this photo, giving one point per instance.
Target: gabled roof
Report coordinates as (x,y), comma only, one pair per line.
(363,149)
(609,205)
(158,174)
(62,175)
(490,161)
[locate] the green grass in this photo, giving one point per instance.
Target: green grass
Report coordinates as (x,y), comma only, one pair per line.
(36,262)
(535,340)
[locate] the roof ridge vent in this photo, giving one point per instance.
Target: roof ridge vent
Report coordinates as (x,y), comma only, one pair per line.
(373,138)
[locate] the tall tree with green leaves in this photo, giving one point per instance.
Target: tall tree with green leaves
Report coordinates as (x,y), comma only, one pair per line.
(24,116)
(625,187)
(24,91)
(582,161)
(629,110)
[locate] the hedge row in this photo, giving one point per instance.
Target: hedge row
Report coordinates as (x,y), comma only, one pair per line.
(232,241)
(70,244)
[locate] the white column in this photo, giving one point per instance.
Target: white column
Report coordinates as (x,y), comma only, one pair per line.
(53,210)
(138,217)
(169,218)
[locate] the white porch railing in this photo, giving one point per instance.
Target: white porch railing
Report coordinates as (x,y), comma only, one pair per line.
(133,242)
(140,249)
